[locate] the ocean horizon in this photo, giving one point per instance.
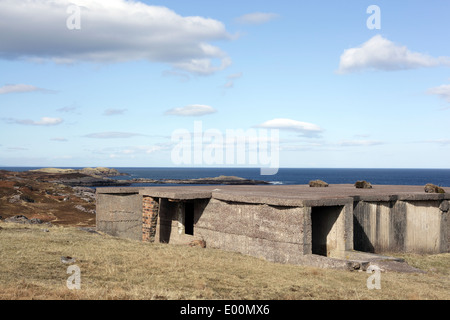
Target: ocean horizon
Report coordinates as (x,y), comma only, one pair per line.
(288,176)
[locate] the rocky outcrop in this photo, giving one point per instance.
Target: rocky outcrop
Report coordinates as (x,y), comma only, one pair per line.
(102,172)
(83,180)
(363,185)
(24,220)
(431,188)
(318,184)
(221,180)
(93,172)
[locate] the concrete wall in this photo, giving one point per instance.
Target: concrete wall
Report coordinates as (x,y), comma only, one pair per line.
(427,227)
(279,234)
(401,226)
(120,214)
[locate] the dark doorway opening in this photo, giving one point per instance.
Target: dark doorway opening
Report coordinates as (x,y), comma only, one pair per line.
(324,229)
(189,218)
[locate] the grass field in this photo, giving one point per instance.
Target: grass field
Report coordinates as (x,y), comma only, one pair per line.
(112,268)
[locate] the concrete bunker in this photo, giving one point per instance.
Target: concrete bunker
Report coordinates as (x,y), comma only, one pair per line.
(286,224)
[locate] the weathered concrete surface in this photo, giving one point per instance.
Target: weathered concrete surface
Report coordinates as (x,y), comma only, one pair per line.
(119,212)
(275,233)
(295,195)
(401,226)
(288,224)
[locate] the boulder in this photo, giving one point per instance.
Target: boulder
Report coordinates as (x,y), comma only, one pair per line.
(431,188)
(363,185)
(18,219)
(23,219)
(68,259)
(444,206)
(318,184)
(198,243)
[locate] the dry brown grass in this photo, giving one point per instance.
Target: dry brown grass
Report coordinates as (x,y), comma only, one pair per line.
(113,268)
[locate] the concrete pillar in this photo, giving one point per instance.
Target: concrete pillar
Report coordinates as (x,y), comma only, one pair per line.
(181,218)
(150,212)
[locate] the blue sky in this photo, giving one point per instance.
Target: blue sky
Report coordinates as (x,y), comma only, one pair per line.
(112,90)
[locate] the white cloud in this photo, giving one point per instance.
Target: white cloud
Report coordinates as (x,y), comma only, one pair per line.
(113,112)
(191,110)
(305,128)
(132,151)
(45,121)
(442,142)
(256,18)
(442,91)
(182,76)
(110,31)
(381,54)
(59,139)
(142,149)
(19,88)
(231,78)
(359,143)
(112,135)
(69,109)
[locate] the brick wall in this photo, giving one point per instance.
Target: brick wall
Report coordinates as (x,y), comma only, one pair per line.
(150,209)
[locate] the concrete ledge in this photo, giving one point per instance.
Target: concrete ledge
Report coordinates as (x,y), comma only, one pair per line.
(185,193)
(285,195)
(116,190)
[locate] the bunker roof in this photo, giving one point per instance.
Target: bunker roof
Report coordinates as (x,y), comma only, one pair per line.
(285,195)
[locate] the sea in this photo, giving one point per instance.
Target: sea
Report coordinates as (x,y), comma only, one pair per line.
(289,176)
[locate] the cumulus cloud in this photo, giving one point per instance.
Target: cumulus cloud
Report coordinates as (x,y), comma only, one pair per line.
(191,111)
(442,91)
(20,88)
(112,135)
(45,121)
(304,128)
(257,18)
(110,31)
(382,54)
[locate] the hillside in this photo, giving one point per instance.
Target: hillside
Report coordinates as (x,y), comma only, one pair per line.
(38,195)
